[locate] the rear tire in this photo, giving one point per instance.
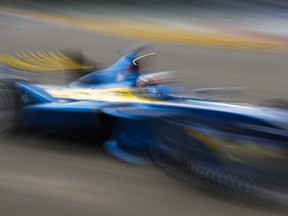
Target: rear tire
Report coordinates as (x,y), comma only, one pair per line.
(9,106)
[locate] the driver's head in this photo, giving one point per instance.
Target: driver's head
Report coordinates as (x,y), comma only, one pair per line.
(158,83)
(160,78)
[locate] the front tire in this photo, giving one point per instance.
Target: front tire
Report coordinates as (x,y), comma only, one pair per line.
(168,151)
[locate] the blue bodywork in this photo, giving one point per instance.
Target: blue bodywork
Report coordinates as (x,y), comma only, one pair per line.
(223,138)
(40,110)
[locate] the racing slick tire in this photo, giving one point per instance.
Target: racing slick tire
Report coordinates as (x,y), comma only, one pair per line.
(9,106)
(171,157)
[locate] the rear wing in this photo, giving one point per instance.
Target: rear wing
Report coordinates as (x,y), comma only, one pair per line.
(46,61)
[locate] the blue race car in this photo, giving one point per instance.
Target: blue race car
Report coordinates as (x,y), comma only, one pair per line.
(228,147)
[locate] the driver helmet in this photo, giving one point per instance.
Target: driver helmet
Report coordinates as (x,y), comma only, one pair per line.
(156,83)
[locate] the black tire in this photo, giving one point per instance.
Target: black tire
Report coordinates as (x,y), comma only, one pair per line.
(172,158)
(9,106)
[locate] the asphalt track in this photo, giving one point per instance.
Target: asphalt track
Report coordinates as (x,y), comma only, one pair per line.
(44,175)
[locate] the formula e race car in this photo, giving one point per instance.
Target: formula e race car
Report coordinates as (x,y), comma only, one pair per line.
(225,146)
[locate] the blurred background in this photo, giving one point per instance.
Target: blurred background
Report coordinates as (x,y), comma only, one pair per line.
(237,23)
(213,43)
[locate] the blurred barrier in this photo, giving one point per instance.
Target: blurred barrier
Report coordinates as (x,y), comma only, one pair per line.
(239,24)
(193,2)
(281,4)
(160,32)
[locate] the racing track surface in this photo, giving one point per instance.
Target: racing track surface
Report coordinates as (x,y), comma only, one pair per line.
(44,175)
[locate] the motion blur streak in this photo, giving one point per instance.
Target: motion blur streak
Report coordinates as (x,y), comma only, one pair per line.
(43,173)
(237,24)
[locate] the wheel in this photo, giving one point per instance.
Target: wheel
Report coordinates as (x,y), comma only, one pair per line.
(9,106)
(171,152)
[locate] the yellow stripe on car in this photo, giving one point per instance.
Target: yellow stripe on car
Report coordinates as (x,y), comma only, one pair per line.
(240,152)
(209,142)
(111,95)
